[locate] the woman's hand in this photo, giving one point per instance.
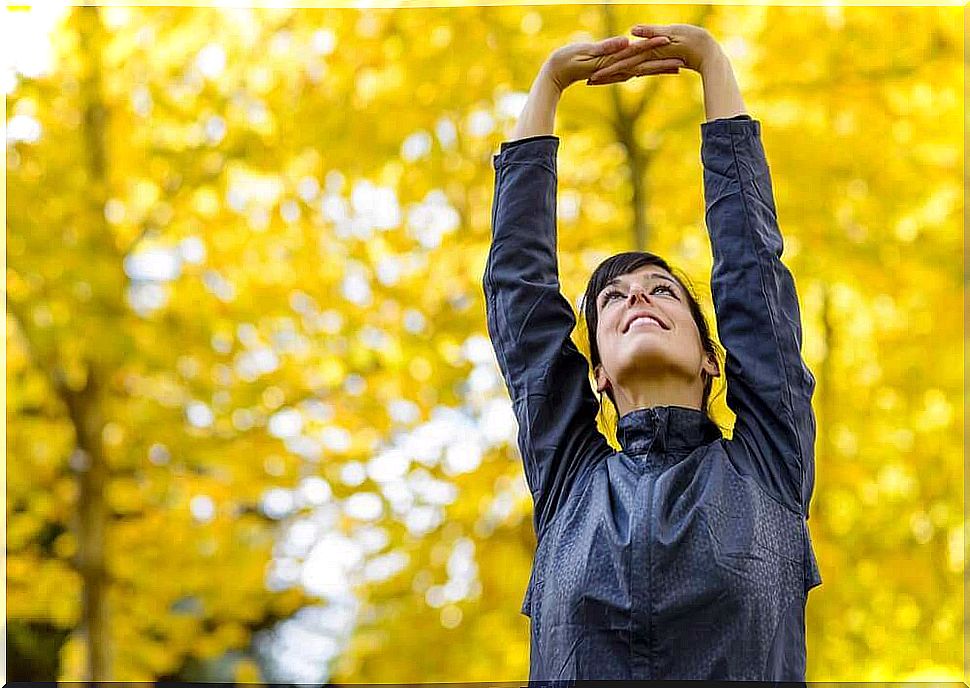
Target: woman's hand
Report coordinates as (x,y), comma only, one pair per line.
(578,61)
(693,45)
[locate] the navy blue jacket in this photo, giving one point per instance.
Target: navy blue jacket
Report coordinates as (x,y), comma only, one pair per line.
(685,555)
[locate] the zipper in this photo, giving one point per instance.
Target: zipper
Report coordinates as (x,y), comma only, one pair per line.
(651,480)
(642,594)
(649,577)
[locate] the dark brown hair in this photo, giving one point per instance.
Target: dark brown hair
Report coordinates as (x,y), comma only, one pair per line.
(625,263)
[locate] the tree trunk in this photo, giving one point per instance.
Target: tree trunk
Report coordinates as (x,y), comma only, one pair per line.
(83,405)
(624,125)
(625,119)
(92,471)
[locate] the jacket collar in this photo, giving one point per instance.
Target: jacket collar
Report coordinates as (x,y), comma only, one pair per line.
(662,429)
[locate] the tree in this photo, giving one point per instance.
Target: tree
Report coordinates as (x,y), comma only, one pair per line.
(245,324)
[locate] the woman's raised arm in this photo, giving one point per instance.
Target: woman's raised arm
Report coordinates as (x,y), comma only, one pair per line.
(529,320)
(769,387)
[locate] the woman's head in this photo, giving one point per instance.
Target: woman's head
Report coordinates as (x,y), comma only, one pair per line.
(645,324)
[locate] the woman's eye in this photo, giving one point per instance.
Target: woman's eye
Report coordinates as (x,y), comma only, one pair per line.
(610,294)
(613,293)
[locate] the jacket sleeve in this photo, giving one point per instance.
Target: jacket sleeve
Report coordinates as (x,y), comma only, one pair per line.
(769,387)
(529,322)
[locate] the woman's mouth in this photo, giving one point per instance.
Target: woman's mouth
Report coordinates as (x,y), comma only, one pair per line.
(642,321)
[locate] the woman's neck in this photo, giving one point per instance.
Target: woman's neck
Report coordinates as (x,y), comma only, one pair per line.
(658,392)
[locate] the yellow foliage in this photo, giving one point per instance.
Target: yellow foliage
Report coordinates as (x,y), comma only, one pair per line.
(247,252)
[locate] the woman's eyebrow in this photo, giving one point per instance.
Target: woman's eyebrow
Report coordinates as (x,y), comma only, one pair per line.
(658,275)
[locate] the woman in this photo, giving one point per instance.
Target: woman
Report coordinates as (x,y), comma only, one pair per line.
(685,555)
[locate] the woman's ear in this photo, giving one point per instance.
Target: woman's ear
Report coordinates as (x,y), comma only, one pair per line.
(711,366)
(602,381)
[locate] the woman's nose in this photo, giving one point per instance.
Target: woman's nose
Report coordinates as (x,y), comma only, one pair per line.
(638,291)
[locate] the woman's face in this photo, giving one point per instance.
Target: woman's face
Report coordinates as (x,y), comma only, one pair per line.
(646,329)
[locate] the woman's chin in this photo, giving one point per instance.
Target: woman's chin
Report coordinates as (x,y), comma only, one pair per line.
(648,345)
(650,356)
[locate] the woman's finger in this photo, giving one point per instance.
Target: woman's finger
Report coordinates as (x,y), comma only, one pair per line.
(652,67)
(610,45)
(633,65)
(648,49)
(639,47)
(650,30)
(626,76)
(675,70)
(611,80)
(657,67)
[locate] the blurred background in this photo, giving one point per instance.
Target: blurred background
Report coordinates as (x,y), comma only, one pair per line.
(255,427)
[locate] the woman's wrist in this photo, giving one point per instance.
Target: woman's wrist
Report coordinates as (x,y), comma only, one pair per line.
(722,97)
(548,79)
(539,114)
(712,58)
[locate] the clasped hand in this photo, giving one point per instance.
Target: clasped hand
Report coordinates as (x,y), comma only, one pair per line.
(665,49)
